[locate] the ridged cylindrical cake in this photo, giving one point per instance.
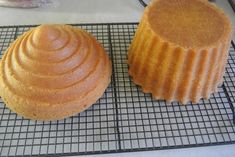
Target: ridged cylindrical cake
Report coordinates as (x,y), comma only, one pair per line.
(180,50)
(52,72)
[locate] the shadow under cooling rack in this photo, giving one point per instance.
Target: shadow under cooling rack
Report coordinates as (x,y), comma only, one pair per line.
(124,119)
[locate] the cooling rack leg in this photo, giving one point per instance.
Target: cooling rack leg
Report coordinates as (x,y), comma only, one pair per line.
(230,102)
(233,116)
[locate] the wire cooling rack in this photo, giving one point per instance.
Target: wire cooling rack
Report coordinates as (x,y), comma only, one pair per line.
(124,119)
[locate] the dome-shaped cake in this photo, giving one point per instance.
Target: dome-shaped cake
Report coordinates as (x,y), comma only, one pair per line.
(180,50)
(52,72)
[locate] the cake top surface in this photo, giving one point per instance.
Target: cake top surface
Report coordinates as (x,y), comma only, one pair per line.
(46,34)
(188,23)
(50,37)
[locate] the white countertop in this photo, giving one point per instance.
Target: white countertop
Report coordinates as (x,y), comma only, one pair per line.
(103,11)
(86,11)
(75,11)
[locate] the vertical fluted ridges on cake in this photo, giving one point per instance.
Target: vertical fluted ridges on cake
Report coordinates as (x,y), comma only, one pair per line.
(53,71)
(172,71)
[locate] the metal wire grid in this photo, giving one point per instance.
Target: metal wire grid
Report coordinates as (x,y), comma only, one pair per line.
(230,79)
(124,119)
(91,131)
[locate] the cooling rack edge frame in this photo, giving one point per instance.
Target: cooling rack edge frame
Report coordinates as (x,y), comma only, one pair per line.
(124,150)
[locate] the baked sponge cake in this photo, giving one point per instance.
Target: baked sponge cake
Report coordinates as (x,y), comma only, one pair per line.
(52,72)
(180,50)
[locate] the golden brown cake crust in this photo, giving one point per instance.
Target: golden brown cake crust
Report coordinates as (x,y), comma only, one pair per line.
(53,71)
(173,57)
(188,23)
